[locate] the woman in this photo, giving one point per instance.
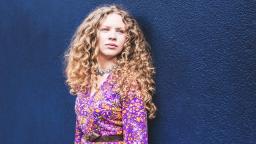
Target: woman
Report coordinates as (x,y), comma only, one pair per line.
(109,68)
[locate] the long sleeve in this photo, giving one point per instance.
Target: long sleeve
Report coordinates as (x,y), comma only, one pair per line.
(113,114)
(78,134)
(134,117)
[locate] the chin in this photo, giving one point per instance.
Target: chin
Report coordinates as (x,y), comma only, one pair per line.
(113,54)
(109,55)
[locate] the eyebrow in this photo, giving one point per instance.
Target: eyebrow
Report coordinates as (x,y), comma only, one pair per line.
(114,27)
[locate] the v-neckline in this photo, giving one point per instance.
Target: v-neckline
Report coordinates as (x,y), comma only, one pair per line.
(99,88)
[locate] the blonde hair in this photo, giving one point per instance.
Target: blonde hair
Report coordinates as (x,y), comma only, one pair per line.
(134,62)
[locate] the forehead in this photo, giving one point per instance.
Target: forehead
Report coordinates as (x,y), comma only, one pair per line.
(113,20)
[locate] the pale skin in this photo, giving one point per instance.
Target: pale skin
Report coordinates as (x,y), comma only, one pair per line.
(111,38)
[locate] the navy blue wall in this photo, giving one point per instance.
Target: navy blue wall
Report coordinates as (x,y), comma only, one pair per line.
(204,53)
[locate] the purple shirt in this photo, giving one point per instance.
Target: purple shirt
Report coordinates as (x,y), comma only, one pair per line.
(107,114)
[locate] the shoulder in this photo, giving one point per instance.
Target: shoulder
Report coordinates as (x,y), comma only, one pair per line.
(132,81)
(133,87)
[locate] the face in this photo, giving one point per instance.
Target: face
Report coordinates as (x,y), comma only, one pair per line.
(111,36)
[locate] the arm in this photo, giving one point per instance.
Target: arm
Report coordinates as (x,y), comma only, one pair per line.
(134,117)
(78,134)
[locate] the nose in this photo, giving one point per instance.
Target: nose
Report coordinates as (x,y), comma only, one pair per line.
(112,35)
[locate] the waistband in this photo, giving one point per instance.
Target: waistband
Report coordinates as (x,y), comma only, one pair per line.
(94,137)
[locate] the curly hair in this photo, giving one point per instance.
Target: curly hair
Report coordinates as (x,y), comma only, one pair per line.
(134,62)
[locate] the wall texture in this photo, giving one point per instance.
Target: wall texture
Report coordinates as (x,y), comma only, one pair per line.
(204,53)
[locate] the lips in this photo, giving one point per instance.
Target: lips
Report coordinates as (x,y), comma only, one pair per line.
(111,45)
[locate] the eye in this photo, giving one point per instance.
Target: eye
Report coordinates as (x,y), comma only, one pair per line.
(104,29)
(120,31)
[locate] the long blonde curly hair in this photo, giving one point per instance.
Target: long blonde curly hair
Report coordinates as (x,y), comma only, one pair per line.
(134,62)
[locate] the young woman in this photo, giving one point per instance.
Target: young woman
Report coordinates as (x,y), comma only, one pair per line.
(109,68)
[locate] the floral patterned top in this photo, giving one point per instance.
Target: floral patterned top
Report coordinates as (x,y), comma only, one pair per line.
(107,114)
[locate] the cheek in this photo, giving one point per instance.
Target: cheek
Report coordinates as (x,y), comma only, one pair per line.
(102,36)
(122,40)
(101,39)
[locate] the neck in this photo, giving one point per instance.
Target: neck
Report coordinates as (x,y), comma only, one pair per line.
(106,63)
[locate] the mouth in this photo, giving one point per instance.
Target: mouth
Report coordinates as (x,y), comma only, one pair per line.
(111,45)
